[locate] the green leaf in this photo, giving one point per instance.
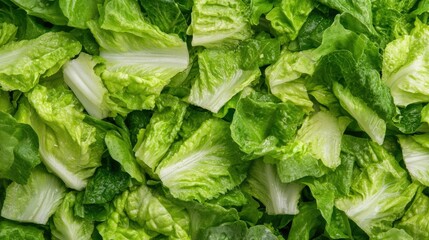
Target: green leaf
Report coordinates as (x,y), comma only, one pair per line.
(260,232)
(66,226)
(88,87)
(206,164)
(19,149)
(288,16)
(219,23)
(311,32)
(78,12)
(306,223)
(204,216)
(47,10)
(7,33)
(264,184)
(380,191)
(261,124)
(121,151)
(218,81)
(166,15)
(119,226)
(415,152)
(259,52)
(415,219)
(129,47)
(105,185)
(230,231)
(10,230)
(366,118)
(69,147)
(356,15)
(27,60)
(405,75)
(157,213)
(409,119)
(259,8)
(161,131)
(35,201)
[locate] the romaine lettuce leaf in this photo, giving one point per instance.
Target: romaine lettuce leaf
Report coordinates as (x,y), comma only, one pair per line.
(161,131)
(406,66)
(415,219)
(19,149)
(206,164)
(119,226)
(7,32)
(47,10)
(380,191)
(261,123)
(157,213)
(140,59)
(24,62)
(78,12)
(10,230)
(415,151)
(218,81)
(219,23)
(86,85)
(35,201)
(68,146)
(287,17)
(67,226)
(264,184)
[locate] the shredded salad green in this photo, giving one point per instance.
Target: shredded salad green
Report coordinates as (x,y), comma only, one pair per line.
(214,119)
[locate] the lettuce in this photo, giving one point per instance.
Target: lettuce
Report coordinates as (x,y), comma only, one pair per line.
(202,119)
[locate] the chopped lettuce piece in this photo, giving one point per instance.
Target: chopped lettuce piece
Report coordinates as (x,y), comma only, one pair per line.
(7,32)
(261,124)
(287,17)
(47,10)
(66,225)
(415,219)
(157,213)
(24,62)
(264,184)
(380,191)
(139,58)
(105,185)
(35,201)
(229,230)
(118,225)
(19,149)
(10,230)
(415,151)
(219,23)
(206,164)
(88,87)
(406,66)
(218,81)
(69,147)
(78,12)
(314,150)
(161,131)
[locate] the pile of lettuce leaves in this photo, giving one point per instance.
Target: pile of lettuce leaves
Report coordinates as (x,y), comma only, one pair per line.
(204,119)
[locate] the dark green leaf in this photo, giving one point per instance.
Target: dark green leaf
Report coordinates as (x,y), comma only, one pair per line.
(259,52)
(19,149)
(105,185)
